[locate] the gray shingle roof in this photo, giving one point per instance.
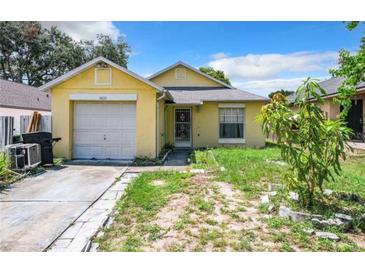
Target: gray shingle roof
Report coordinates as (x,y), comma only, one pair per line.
(330,86)
(16,95)
(198,95)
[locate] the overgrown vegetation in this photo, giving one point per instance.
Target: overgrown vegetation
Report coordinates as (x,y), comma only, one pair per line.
(220,209)
(250,171)
(310,143)
(140,204)
(6,175)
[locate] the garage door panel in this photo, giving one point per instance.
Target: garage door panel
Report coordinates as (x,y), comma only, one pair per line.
(104,131)
(90,122)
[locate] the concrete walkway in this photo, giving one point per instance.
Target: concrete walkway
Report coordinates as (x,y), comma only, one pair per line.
(178,157)
(357,145)
(36,210)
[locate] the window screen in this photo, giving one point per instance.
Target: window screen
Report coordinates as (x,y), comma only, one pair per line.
(231,123)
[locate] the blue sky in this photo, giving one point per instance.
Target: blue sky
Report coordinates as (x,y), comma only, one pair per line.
(257,56)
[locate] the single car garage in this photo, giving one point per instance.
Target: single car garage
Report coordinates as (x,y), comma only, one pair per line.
(101,110)
(104,130)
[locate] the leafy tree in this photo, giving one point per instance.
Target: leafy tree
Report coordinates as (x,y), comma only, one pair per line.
(352,69)
(286,93)
(217,74)
(311,144)
(34,55)
(118,52)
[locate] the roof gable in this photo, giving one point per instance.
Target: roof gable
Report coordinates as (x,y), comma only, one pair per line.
(91,63)
(205,79)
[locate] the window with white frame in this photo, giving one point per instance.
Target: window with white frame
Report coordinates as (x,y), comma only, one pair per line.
(231,123)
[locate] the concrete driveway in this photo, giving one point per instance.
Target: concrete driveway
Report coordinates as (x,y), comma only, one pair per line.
(36,210)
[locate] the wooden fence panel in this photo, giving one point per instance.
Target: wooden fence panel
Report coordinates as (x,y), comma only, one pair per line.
(6,131)
(45,124)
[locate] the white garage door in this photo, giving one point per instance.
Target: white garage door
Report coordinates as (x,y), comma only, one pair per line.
(104,131)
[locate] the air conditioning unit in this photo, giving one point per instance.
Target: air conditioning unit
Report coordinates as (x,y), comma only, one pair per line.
(24,156)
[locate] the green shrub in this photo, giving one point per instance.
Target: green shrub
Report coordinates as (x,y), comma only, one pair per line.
(311,144)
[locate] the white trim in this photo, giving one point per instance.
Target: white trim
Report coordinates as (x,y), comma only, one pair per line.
(191,68)
(89,64)
(231,141)
(184,144)
(102,84)
(103,97)
(225,105)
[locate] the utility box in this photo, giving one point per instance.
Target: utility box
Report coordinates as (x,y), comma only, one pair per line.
(24,156)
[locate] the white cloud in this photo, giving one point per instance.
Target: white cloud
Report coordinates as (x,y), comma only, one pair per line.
(85,30)
(264,87)
(219,55)
(268,66)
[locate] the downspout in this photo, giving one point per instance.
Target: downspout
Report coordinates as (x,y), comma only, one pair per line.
(157,120)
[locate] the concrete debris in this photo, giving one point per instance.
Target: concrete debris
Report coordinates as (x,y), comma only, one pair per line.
(327,235)
(344,217)
(286,212)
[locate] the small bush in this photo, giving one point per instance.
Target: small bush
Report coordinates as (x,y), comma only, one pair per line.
(6,175)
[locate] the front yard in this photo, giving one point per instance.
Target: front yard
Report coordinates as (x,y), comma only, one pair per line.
(221,206)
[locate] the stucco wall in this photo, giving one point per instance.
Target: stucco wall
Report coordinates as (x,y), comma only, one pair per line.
(205,125)
(333,109)
(62,109)
(330,108)
(161,125)
(193,79)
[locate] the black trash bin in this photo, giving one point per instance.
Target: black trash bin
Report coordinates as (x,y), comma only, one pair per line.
(44,139)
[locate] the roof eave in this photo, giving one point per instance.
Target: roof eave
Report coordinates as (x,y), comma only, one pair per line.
(191,68)
(87,65)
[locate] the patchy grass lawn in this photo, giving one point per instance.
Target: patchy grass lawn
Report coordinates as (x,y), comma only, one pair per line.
(220,209)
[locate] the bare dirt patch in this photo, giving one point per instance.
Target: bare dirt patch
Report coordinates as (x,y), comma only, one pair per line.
(170,213)
(210,216)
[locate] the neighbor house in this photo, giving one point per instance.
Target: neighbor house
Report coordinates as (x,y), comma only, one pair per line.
(17,99)
(104,111)
(356,115)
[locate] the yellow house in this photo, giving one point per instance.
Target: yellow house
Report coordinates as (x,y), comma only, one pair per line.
(104,111)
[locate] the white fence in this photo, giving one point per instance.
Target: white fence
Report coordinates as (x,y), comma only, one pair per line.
(7,127)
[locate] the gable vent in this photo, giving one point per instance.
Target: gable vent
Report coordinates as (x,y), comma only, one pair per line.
(180,74)
(102,75)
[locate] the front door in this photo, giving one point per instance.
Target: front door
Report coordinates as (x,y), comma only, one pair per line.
(183,127)
(355,119)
